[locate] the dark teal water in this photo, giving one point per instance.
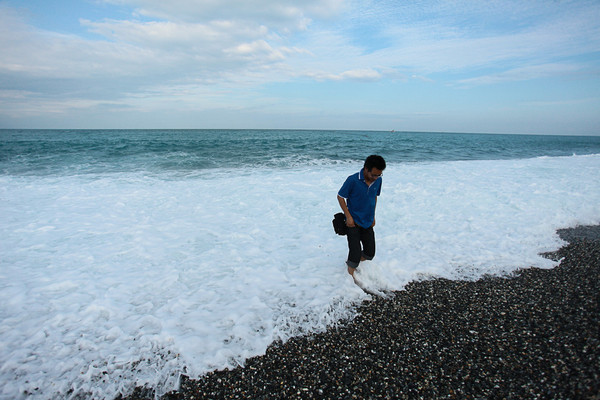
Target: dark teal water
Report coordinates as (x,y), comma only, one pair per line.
(47,152)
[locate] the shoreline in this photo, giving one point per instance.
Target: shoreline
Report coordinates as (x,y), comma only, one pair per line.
(535,334)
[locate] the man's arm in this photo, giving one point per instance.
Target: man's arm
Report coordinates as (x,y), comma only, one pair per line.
(349,219)
(374,208)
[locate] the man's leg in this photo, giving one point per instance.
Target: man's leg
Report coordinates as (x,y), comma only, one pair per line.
(354,248)
(367,237)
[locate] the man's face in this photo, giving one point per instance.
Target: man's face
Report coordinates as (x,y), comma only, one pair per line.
(374,174)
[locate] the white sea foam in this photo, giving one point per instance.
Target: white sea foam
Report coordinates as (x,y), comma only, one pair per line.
(111,281)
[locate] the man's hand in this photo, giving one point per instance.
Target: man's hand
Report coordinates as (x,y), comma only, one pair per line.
(350,221)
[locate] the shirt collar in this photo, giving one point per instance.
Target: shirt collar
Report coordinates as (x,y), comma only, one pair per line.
(361,174)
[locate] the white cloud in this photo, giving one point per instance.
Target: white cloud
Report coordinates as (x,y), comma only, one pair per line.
(526,73)
(32,105)
(182,35)
(12,95)
(168,52)
(215,39)
(254,49)
(33,53)
(355,75)
(286,15)
(439,48)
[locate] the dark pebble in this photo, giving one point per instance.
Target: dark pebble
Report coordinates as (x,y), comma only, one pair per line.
(534,335)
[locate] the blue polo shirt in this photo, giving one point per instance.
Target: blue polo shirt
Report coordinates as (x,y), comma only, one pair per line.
(361,198)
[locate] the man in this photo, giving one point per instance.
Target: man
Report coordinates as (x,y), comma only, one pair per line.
(358,199)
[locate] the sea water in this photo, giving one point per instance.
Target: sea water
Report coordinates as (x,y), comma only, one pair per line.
(132,257)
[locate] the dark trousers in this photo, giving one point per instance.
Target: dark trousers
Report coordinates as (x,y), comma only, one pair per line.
(361,243)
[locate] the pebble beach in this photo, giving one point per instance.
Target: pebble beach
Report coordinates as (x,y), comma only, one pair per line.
(532,335)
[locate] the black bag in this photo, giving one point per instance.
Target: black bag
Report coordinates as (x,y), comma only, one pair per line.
(339,224)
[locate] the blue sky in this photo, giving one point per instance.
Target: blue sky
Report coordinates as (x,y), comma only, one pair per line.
(455,66)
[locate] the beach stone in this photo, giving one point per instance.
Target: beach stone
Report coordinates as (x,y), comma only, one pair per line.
(534,335)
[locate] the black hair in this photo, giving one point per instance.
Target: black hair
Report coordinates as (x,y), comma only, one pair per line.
(375,161)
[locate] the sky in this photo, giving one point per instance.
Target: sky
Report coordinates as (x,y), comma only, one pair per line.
(447,66)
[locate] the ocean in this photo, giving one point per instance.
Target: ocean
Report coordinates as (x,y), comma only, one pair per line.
(129,257)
